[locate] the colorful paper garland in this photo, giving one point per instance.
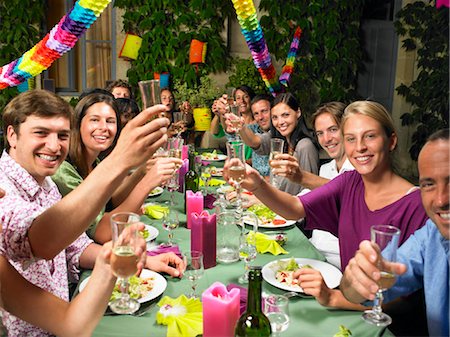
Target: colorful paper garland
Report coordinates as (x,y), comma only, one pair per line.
(288,68)
(58,41)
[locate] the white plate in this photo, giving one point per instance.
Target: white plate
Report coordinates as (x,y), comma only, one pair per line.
(152,233)
(331,275)
(218,172)
(270,225)
(219,157)
(159,285)
(156,191)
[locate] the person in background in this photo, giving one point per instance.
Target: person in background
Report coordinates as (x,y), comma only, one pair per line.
(185,108)
(351,203)
(243,96)
(97,122)
(42,234)
(120,89)
(260,106)
(287,124)
(47,311)
(327,122)
(128,109)
(423,260)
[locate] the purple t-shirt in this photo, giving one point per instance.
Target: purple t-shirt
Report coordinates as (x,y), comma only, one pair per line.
(339,207)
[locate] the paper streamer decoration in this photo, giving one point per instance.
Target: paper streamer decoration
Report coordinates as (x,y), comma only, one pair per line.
(288,68)
(251,29)
(58,41)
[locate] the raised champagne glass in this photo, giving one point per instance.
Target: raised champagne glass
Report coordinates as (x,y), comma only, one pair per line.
(236,159)
(123,259)
(385,238)
(174,147)
(276,148)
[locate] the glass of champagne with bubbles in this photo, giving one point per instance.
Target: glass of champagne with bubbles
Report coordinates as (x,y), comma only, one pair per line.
(236,159)
(276,147)
(385,238)
(123,259)
(174,147)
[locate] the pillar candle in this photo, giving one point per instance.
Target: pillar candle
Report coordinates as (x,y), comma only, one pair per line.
(184,152)
(203,237)
(194,203)
(181,173)
(220,310)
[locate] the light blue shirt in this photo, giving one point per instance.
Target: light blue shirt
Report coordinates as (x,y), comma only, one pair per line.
(426,254)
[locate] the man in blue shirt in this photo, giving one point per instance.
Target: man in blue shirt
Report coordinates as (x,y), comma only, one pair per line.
(423,260)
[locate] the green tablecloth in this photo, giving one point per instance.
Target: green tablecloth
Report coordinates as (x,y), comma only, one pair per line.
(308,318)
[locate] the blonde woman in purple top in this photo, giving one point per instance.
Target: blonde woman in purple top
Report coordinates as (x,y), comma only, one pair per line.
(348,205)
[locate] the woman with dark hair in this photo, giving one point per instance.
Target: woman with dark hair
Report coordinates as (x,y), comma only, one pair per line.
(299,141)
(128,109)
(95,127)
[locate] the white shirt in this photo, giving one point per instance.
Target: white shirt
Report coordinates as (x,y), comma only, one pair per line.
(324,241)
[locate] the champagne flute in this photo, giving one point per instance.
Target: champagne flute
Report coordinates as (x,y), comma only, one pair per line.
(150,93)
(276,308)
(124,259)
(386,239)
(169,223)
(276,147)
(178,122)
(236,158)
(174,146)
(193,260)
(230,91)
(205,177)
(247,252)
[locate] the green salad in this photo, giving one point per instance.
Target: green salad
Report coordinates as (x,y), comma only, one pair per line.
(144,233)
(138,287)
(264,213)
(288,265)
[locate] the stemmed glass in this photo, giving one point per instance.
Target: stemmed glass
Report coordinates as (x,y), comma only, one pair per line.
(193,260)
(236,159)
(205,176)
(386,239)
(247,252)
(276,147)
(124,259)
(170,222)
(276,308)
(174,147)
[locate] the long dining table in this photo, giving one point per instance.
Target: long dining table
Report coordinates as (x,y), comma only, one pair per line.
(308,317)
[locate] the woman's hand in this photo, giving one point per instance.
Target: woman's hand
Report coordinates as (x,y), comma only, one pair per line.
(285,165)
(162,169)
(252,177)
(167,263)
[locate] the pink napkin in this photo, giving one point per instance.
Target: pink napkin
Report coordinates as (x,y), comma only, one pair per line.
(209,201)
(161,249)
(243,296)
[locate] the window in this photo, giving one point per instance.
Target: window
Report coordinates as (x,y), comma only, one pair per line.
(92,60)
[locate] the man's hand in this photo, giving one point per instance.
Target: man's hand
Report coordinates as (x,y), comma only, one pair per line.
(252,177)
(312,282)
(167,263)
(361,276)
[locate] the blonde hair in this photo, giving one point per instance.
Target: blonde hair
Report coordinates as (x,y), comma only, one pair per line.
(373,110)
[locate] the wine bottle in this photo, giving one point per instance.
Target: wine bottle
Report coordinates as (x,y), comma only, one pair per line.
(191,178)
(253,322)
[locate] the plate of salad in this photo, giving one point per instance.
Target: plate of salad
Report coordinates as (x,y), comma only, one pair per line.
(149,233)
(267,218)
(213,156)
(279,273)
(156,191)
(145,287)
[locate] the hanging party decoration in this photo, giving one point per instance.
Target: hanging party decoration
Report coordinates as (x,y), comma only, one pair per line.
(251,29)
(288,68)
(130,47)
(58,41)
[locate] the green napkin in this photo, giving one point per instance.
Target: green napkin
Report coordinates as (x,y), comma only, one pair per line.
(265,244)
(213,182)
(183,316)
(155,211)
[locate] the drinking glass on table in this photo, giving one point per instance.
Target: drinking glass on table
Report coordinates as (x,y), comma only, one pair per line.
(169,223)
(276,147)
(205,177)
(123,259)
(247,248)
(150,93)
(386,239)
(276,308)
(193,261)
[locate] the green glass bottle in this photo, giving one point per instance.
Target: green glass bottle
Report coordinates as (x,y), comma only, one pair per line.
(191,178)
(253,322)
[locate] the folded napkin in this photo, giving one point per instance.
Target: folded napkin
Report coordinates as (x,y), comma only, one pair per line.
(155,211)
(265,243)
(242,296)
(165,249)
(209,201)
(183,316)
(212,182)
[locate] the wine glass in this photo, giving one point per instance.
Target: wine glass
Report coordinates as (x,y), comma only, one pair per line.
(124,259)
(170,222)
(205,176)
(386,239)
(276,147)
(276,308)
(236,159)
(150,93)
(247,252)
(179,122)
(174,147)
(193,261)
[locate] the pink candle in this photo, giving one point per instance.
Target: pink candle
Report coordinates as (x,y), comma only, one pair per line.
(194,203)
(220,310)
(203,237)
(181,173)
